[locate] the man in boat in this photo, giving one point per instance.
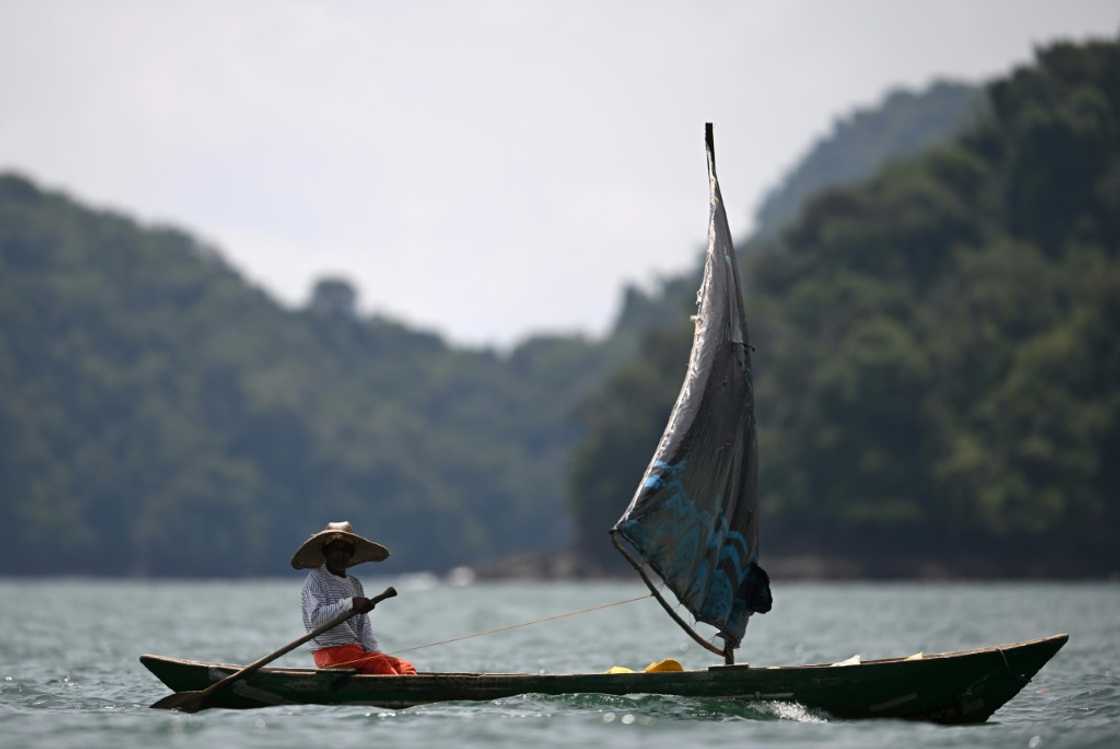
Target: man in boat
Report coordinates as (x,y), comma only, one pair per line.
(329,591)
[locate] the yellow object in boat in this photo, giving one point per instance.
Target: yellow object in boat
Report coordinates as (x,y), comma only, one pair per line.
(661,666)
(665,664)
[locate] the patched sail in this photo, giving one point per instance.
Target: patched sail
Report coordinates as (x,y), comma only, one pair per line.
(694,516)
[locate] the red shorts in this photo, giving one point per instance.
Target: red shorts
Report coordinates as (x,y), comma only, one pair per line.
(365,661)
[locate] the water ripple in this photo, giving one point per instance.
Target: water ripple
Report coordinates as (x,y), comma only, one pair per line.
(93,692)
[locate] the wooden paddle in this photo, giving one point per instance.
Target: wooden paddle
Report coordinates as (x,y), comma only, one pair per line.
(193,701)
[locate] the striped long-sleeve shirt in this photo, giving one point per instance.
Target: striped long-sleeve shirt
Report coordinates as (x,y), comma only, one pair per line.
(325,596)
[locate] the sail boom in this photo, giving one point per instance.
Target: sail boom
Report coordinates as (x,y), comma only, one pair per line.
(696,636)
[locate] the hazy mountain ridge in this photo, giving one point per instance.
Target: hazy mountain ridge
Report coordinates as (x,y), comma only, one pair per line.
(901,125)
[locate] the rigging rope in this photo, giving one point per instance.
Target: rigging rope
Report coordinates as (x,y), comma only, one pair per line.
(508,627)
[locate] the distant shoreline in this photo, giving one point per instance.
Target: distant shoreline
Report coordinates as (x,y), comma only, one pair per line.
(566,566)
(801,567)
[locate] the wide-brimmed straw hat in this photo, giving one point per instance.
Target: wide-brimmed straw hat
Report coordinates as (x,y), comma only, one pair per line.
(310,553)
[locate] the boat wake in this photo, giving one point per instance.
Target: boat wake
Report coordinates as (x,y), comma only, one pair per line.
(654,706)
(794,711)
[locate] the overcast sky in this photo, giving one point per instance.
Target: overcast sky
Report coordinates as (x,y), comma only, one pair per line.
(487,169)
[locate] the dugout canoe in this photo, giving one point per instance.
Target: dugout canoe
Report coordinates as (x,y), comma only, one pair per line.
(958,687)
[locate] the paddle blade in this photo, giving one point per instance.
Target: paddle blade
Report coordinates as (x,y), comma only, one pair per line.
(184,702)
(389,592)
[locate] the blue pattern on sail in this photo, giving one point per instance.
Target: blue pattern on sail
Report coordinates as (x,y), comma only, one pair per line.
(713,559)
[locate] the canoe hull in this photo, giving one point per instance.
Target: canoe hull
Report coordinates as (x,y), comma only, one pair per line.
(961,687)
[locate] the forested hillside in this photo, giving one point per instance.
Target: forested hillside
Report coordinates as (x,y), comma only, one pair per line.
(161,416)
(937,359)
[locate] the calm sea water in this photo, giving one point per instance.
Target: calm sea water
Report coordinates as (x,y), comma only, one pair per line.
(69,675)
